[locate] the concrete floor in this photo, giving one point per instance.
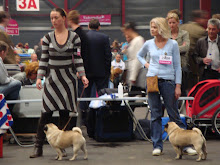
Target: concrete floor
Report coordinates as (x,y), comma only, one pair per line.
(118,153)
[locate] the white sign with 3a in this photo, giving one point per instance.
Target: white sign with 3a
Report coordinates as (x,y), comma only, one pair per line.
(28,5)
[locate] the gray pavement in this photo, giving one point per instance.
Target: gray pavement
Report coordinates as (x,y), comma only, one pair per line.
(119,153)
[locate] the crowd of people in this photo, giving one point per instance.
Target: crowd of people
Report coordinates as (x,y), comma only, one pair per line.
(10,85)
(75,62)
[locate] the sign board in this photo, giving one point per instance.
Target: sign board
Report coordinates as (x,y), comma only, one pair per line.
(28,5)
(12,28)
(103,19)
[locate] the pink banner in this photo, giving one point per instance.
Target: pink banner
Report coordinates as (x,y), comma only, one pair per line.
(103,19)
(12,28)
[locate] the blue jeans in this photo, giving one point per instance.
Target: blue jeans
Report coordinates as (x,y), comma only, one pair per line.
(167,91)
(11,91)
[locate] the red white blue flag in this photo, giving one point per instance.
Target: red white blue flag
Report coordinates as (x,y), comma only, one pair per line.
(6,119)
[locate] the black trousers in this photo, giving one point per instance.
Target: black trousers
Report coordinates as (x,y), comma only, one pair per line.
(99,83)
(210,74)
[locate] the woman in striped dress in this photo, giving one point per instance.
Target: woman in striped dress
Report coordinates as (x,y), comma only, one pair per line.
(59,67)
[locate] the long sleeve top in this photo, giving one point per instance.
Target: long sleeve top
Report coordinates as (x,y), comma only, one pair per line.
(183,37)
(4,78)
(134,65)
(164,71)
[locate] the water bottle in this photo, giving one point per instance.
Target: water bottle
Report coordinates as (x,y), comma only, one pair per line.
(120,91)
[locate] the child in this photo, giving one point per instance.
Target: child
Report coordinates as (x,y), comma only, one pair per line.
(8,85)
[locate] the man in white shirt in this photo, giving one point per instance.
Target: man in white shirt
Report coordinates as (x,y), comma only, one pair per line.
(117,68)
(8,85)
(207,52)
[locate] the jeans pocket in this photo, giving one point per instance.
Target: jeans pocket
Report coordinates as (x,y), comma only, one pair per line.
(171,82)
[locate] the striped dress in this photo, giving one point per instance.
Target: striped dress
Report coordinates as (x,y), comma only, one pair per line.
(59,67)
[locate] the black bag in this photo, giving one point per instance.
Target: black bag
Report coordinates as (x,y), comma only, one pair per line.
(110,123)
(145,124)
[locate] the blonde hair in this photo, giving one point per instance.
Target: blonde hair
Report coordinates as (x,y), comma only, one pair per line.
(74,16)
(162,25)
(173,15)
(216,16)
(31,68)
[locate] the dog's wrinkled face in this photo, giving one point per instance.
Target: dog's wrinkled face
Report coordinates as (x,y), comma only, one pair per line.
(170,126)
(49,127)
(45,128)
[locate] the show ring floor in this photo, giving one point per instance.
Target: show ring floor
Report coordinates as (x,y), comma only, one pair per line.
(109,153)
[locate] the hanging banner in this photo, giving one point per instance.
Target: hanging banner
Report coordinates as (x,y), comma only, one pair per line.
(28,5)
(103,19)
(12,28)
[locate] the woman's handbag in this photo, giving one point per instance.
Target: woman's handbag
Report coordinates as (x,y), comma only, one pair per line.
(152,84)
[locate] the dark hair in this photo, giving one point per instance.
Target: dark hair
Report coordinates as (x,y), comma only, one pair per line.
(74,16)
(129,25)
(94,24)
(61,11)
(20,45)
(198,14)
(4,15)
(3,46)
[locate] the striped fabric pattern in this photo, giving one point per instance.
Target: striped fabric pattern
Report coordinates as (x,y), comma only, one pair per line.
(58,64)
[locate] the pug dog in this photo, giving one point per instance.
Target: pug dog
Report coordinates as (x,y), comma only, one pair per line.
(180,138)
(60,140)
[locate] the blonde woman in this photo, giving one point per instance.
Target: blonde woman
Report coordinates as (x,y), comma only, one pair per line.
(182,38)
(169,77)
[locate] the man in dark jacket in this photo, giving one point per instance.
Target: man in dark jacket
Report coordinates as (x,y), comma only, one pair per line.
(73,21)
(99,57)
(207,53)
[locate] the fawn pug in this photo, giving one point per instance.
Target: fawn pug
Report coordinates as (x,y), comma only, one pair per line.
(60,140)
(180,138)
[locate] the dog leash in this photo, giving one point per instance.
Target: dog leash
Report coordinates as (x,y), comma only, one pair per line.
(76,108)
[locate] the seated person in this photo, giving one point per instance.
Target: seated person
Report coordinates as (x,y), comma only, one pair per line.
(117,68)
(19,49)
(18,61)
(8,85)
(28,77)
(33,59)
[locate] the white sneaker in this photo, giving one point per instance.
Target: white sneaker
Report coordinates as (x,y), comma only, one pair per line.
(156,152)
(190,151)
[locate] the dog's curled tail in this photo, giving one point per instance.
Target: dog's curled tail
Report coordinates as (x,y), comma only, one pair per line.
(199,132)
(77,129)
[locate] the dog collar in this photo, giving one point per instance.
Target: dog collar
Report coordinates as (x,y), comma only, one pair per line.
(172,131)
